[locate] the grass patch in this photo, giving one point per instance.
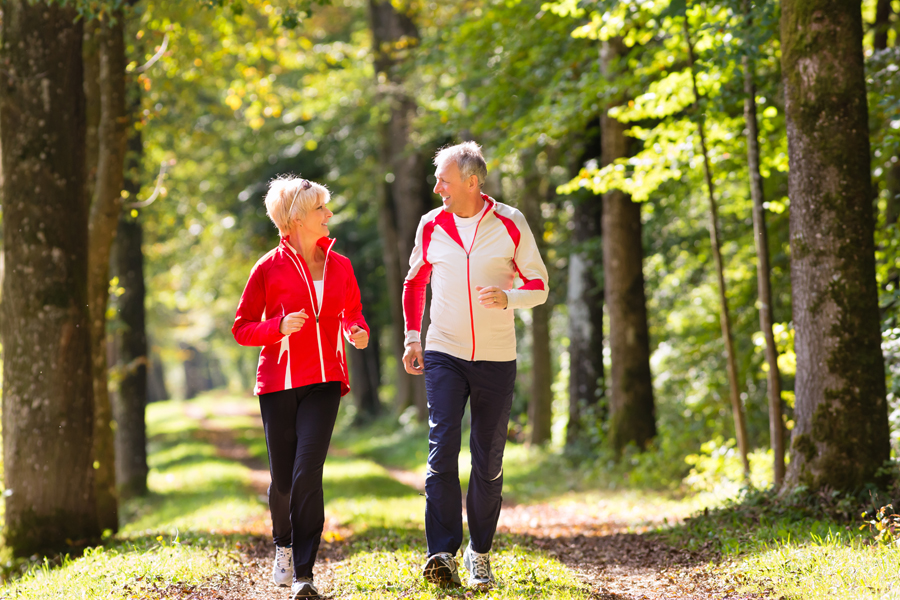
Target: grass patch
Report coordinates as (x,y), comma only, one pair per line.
(802,546)
(386,564)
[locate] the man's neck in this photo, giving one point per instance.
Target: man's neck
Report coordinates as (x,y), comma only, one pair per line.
(472,208)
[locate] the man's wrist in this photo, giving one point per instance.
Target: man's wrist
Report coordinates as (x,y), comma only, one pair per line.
(412,337)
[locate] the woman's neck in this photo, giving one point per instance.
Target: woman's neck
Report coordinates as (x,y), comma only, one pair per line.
(304,245)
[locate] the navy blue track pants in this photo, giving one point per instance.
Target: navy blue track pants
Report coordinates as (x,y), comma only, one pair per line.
(449,383)
(298,423)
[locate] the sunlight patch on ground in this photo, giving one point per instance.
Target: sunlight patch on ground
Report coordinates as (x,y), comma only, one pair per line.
(825,568)
(387,573)
(125,572)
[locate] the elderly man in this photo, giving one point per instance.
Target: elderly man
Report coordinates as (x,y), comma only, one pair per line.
(471,249)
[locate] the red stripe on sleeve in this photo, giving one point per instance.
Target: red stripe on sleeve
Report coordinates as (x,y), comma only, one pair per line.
(414,285)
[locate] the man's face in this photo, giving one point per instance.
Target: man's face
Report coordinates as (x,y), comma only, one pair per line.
(450,185)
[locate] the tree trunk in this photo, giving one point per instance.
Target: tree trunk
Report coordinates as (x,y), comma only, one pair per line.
(129,403)
(841,435)
(632,418)
(776,426)
(131,399)
(47,390)
(882,24)
(541,401)
(91,54)
(585,302)
(393,33)
(737,411)
(102,224)
(365,372)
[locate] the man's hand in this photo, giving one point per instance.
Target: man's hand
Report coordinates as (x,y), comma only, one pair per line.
(492,297)
(292,322)
(412,355)
(359,337)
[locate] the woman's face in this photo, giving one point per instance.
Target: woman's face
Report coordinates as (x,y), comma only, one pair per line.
(315,221)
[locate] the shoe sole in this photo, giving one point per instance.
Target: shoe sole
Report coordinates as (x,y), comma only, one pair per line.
(306,595)
(438,573)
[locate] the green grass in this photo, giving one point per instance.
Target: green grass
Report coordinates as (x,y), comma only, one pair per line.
(799,547)
(202,508)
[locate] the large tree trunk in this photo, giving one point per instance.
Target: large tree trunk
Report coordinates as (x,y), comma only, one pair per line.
(102,224)
(841,435)
(541,401)
(47,389)
(632,418)
(393,34)
(776,427)
(737,410)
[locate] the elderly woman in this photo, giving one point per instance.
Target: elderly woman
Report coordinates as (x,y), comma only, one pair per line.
(301,298)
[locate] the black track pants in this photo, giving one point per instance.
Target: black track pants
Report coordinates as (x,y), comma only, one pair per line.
(298,423)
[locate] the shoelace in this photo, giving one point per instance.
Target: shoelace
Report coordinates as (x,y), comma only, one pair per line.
(283,558)
(481,565)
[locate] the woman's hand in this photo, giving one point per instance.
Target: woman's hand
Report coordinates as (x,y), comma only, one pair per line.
(292,322)
(359,337)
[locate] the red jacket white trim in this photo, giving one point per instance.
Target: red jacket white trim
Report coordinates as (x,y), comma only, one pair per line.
(503,249)
(280,283)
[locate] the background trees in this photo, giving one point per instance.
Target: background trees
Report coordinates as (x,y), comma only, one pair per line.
(586,114)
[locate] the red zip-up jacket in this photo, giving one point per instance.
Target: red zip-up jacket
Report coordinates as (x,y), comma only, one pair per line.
(280,283)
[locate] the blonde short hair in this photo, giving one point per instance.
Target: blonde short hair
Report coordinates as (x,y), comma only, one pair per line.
(291,198)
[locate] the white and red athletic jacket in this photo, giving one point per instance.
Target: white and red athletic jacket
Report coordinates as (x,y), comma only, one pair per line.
(502,249)
(280,283)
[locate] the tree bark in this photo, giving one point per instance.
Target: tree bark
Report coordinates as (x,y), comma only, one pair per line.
(740,427)
(540,403)
(91,54)
(632,417)
(841,436)
(47,389)
(102,224)
(776,426)
(393,35)
(585,303)
(882,24)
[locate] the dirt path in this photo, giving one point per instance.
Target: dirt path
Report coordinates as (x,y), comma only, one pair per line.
(616,564)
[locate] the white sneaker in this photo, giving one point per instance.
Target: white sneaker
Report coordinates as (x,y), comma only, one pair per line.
(440,569)
(479,567)
(283,567)
(303,588)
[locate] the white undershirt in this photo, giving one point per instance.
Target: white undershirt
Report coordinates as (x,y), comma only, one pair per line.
(320,287)
(466,227)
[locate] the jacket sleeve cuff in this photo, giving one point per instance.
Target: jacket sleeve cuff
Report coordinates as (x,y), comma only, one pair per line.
(412,337)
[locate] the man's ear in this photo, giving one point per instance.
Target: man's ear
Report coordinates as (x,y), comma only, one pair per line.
(473,181)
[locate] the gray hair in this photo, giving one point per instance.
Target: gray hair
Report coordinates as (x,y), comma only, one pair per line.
(468,158)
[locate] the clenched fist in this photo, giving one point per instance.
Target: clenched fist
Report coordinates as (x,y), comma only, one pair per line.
(359,337)
(292,322)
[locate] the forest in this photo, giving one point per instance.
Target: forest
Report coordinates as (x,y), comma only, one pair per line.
(713,385)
